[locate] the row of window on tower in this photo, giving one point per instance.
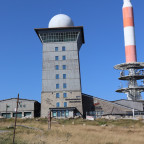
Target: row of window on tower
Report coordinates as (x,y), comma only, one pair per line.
(63,67)
(58,95)
(64,86)
(57,57)
(57,76)
(57,49)
(58,104)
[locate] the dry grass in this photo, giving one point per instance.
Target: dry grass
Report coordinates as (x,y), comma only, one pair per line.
(75,132)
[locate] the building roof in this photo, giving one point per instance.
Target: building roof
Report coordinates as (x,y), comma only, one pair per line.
(19,99)
(37,30)
(116,104)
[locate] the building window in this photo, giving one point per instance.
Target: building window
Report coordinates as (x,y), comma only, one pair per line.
(57,86)
(65,95)
(57,104)
(64,76)
(63,113)
(63,57)
(64,67)
(58,113)
(54,113)
(67,113)
(65,104)
(64,85)
(57,95)
(56,58)
(56,48)
(57,76)
(20,105)
(57,67)
(59,36)
(63,48)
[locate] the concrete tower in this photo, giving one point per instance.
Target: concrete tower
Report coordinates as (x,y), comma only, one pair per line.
(61,83)
(131,70)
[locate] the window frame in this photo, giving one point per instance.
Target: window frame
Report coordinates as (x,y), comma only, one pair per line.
(56,49)
(58,104)
(57,95)
(64,85)
(65,104)
(63,48)
(64,57)
(64,76)
(56,58)
(64,67)
(64,95)
(56,67)
(57,76)
(57,86)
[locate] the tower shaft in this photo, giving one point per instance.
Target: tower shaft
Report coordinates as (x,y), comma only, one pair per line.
(129,34)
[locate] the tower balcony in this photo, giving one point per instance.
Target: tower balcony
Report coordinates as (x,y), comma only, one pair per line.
(136,75)
(134,88)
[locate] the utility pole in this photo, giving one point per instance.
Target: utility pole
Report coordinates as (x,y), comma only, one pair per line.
(6,111)
(15,119)
(49,119)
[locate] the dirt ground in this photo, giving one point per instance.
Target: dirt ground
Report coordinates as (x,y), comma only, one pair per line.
(73,132)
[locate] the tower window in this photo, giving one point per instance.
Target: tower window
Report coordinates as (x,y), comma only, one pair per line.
(57,86)
(65,95)
(64,76)
(57,76)
(56,48)
(64,85)
(56,58)
(63,57)
(57,104)
(64,67)
(65,104)
(63,48)
(57,95)
(57,67)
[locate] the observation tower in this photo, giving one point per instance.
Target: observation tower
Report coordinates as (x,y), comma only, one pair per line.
(61,81)
(131,71)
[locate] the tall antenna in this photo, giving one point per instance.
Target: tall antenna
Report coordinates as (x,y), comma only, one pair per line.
(60,10)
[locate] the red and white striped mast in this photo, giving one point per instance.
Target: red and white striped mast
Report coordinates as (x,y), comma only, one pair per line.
(129,32)
(133,67)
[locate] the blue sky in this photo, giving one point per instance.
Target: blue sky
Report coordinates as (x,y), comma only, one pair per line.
(21,50)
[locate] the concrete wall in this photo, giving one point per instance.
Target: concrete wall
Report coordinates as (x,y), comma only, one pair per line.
(49,81)
(49,100)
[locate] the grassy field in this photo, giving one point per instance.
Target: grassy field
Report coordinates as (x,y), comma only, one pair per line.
(76,131)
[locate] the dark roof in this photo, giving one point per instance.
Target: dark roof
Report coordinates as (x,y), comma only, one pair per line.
(128,100)
(19,99)
(60,28)
(107,101)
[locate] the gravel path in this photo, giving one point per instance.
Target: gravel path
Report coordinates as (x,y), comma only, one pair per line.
(3,131)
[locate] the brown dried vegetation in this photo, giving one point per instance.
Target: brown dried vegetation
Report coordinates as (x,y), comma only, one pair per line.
(74,132)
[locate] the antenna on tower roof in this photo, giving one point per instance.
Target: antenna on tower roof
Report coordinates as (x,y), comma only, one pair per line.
(60,11)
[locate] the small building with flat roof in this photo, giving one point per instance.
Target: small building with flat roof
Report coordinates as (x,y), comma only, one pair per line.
(26,108)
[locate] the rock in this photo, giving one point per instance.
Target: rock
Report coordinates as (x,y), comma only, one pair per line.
(73,123)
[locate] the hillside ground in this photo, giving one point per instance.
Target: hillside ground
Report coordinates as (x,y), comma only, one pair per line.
(73,131)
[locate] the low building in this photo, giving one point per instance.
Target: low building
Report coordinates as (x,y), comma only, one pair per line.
(26,108)
(97,107)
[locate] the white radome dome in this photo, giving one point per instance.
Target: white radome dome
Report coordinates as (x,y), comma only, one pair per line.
(60,20)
